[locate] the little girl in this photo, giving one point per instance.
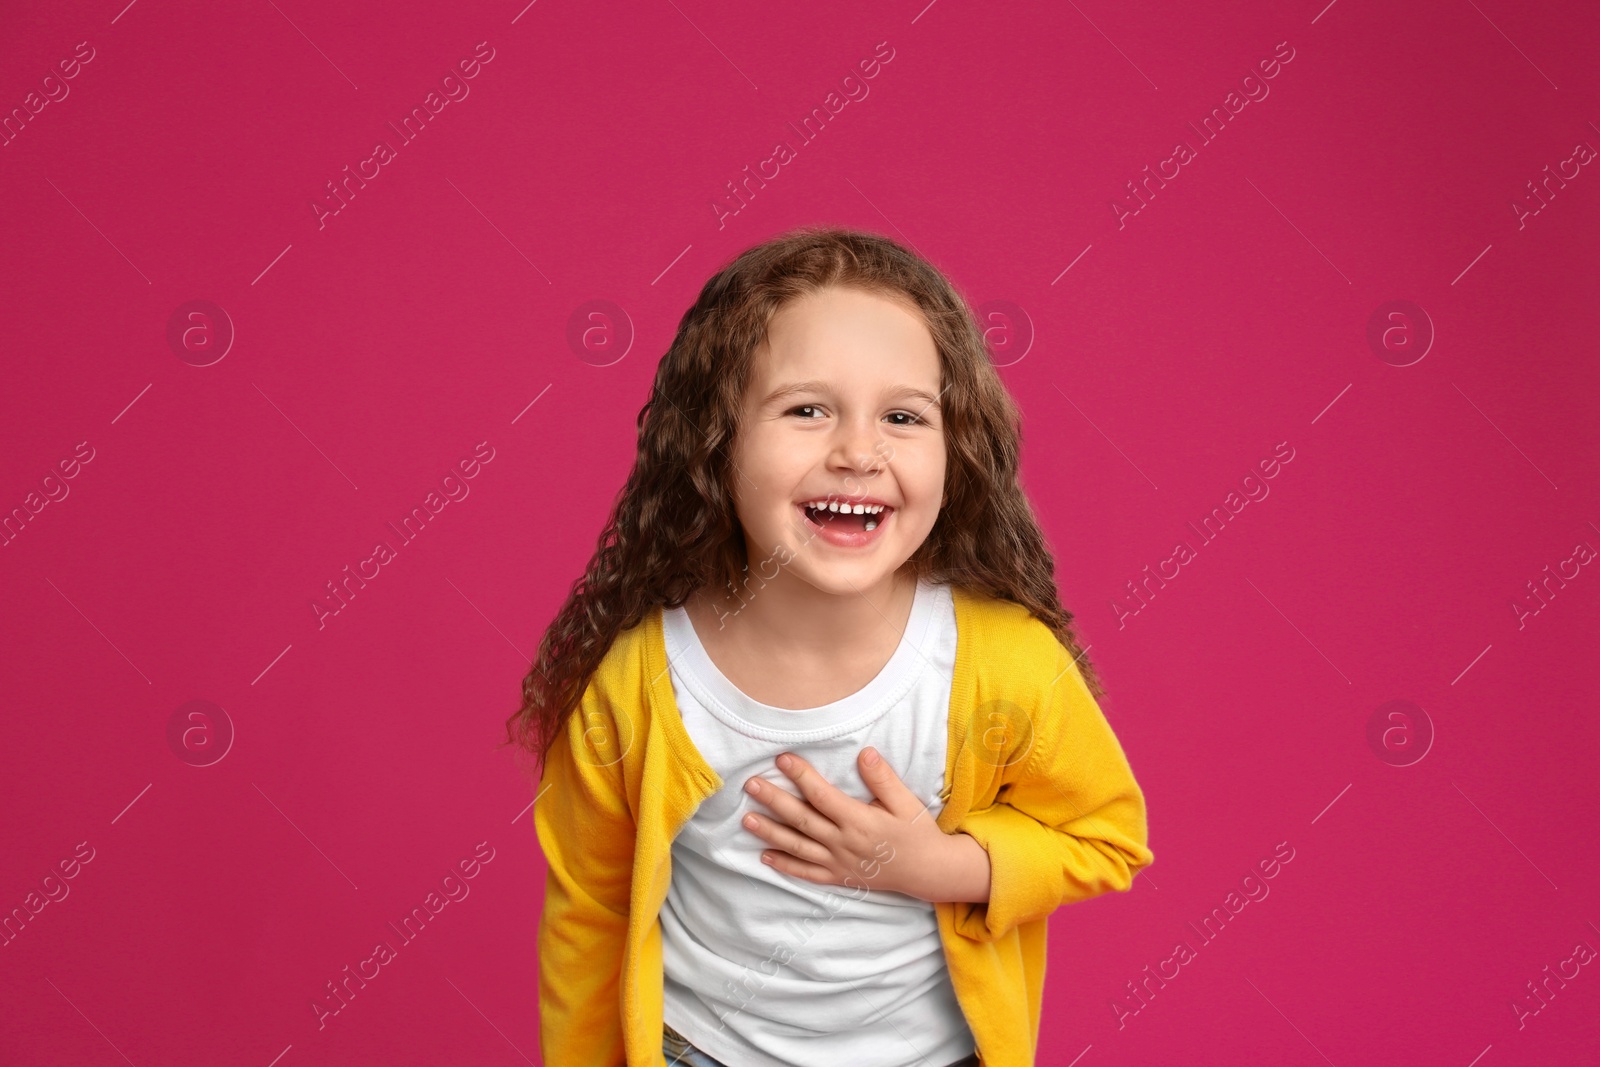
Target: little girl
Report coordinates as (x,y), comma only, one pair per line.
(820,752)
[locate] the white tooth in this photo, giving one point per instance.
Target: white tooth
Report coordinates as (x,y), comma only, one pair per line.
(833,505)
(860,509)
(872,524)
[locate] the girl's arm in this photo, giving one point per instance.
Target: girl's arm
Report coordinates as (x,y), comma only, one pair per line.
(891,844)
(1067,824)
(586,830)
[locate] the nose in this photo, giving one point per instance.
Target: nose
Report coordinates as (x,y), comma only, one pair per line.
(858,447)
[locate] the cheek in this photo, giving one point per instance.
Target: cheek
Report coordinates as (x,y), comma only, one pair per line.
(761,500)
(925,491)
(925,473)
(772,452)
(755,471)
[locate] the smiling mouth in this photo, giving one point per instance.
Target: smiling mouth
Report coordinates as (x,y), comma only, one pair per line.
(826,518)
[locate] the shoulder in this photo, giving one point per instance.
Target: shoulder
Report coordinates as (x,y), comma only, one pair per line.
(614,707)
(616,690)
(624,670)
(1025,692)
(1003,630)
(1013,654)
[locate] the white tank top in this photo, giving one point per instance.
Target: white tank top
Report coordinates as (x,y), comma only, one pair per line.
(763,969)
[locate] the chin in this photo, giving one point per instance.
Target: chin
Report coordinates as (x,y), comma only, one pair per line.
(846,578)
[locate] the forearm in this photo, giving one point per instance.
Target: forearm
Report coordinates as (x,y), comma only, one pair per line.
(966,874)
(957,871)
(1037,868)
(587,833)
(580,973)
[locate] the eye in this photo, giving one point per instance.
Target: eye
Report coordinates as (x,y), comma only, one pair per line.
(803,407)
(912,420)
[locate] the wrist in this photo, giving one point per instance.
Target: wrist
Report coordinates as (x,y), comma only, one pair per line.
(970,871)
(964,872)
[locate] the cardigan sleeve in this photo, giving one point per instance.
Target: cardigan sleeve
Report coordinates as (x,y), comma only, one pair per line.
(1070,826)
(586,830)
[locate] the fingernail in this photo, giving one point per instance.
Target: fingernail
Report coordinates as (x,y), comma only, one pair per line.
(752,786)
(872,757)
(785,762)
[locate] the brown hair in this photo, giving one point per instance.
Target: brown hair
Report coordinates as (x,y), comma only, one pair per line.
(673,529)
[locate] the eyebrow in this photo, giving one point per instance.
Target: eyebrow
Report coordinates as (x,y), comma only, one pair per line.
(899,392)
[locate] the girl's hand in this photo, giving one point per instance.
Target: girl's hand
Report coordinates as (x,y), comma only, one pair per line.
(892,843)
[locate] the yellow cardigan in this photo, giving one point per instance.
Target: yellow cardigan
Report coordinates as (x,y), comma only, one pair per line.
(1034,774)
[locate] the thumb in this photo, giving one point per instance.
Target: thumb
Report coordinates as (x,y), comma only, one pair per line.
(886,785)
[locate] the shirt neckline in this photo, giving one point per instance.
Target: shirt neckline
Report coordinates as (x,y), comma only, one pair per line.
(698,673)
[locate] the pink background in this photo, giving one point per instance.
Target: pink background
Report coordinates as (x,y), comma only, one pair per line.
(432,313)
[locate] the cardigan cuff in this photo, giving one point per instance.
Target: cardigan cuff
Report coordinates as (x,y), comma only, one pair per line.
(1018,892)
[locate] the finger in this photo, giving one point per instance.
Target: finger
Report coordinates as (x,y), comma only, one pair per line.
(798,868)
(822,794)
(786,838)
(792,810)
(886,785)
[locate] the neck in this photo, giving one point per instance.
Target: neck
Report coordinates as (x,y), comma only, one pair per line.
(789,613)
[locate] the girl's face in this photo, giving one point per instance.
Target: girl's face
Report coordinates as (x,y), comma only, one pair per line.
(843,403)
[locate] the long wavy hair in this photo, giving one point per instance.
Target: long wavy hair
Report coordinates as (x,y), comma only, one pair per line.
(673,529)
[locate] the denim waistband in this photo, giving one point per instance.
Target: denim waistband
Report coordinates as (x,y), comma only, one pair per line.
(680,1053)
